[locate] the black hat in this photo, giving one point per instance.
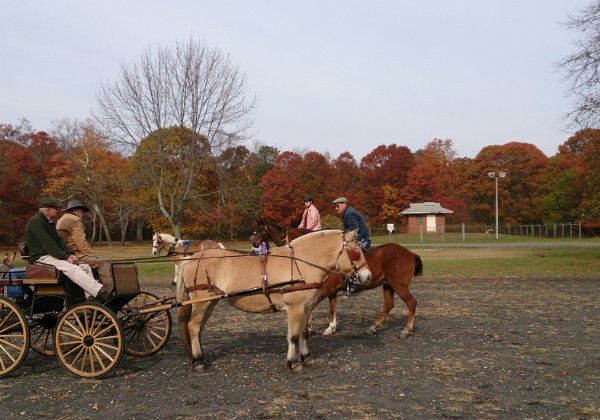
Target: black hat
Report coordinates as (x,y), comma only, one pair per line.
(77,204)
(49,202)
(308,198)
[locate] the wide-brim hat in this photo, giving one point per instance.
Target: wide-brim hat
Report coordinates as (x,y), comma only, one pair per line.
(308,197)
(49,202)
(77,204)
(340,200)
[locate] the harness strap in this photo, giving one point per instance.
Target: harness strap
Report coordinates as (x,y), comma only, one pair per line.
(264,282)
(196,287)
(301,287)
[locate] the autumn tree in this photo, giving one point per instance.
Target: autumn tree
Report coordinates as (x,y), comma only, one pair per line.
(88,170)
(281,187)
(580,179)
(523,164)
(27,159)
(191,87)
(435,176)
(347,178)
(383,166)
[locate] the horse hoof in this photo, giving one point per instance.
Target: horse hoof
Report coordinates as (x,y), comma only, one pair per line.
(172,283)
(308,361)
(328,332)
(199,368)
(406,334)
(295,367)
(371,331)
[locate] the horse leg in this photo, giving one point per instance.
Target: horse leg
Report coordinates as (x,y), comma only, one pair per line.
(322,296)
(332,315)
(177,275)
(200,314)
(305,356)
(388,305)
(411,304)
(296,337)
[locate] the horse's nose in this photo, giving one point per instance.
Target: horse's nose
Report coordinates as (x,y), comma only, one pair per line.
(365,275)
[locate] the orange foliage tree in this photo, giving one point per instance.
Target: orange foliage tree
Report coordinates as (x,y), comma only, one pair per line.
(27,160)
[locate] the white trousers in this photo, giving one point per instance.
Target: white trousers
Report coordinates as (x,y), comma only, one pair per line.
(80,274)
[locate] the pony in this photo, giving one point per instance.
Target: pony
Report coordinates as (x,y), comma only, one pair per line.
(179,248)
(392,265)
(279,235)
(287,279)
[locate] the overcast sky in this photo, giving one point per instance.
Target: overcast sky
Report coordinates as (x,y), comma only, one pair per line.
(330,76)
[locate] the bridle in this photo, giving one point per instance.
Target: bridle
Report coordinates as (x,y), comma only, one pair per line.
(157,245)
(353,253)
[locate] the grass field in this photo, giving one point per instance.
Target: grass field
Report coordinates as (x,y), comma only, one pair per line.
(484,257)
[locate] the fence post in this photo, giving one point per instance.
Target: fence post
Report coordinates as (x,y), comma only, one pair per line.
(463,231)
(579,230)
(421,233)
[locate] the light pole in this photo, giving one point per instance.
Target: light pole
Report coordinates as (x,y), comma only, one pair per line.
(493,175)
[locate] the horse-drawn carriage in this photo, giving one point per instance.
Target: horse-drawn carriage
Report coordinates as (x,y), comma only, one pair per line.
(88,338)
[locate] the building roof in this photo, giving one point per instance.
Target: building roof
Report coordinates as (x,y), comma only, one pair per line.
(428,207)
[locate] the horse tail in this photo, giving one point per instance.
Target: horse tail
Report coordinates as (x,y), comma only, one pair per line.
(184,315)
(418,266)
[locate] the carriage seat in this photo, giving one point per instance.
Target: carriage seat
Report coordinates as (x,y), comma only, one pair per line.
(39,273)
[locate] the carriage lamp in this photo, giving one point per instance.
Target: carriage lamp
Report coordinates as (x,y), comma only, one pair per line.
(493,175)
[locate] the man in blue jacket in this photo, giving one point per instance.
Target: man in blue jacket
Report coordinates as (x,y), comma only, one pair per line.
(352,219)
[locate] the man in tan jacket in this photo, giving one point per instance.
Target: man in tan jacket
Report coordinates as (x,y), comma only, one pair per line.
(70,228)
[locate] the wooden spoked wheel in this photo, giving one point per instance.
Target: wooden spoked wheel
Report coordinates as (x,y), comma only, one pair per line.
(42,328)
(147,333)
(89,340)
(14,336)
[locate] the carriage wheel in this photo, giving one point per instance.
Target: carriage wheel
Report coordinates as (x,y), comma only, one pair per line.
(89,340)
(145,334)
(43,327)
(14,336)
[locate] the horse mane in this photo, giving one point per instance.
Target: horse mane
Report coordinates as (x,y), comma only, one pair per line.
(166,237)
(301,239)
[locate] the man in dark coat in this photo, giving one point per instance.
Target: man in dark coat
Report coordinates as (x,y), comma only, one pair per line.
(46,246)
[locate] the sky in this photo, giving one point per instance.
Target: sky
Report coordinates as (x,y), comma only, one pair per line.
(329,76)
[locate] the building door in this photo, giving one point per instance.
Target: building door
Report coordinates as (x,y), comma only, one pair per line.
(431,223)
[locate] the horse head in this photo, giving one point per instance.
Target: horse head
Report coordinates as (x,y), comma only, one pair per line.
(260,234)
(160,241)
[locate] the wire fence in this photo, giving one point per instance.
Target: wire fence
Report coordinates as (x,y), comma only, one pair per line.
(483,232)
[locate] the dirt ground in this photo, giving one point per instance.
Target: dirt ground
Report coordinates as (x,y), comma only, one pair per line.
(483,348)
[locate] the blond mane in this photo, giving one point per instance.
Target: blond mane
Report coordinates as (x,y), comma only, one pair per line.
(300,240)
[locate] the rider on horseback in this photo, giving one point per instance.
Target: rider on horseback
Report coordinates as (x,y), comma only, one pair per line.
(352,219)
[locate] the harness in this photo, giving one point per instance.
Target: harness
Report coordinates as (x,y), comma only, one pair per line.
(292,285)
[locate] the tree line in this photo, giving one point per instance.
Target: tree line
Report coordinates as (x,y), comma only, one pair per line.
(233,187)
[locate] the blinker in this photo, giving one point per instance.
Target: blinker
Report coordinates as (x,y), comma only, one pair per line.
(354,254)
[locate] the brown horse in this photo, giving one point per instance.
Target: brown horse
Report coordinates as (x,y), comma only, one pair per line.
(178,249)
(392,265)
(289,279)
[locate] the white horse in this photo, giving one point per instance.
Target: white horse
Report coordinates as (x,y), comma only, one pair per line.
(179,248)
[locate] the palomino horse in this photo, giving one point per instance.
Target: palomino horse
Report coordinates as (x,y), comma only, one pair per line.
(289,278)
(393,267)
(177,249)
